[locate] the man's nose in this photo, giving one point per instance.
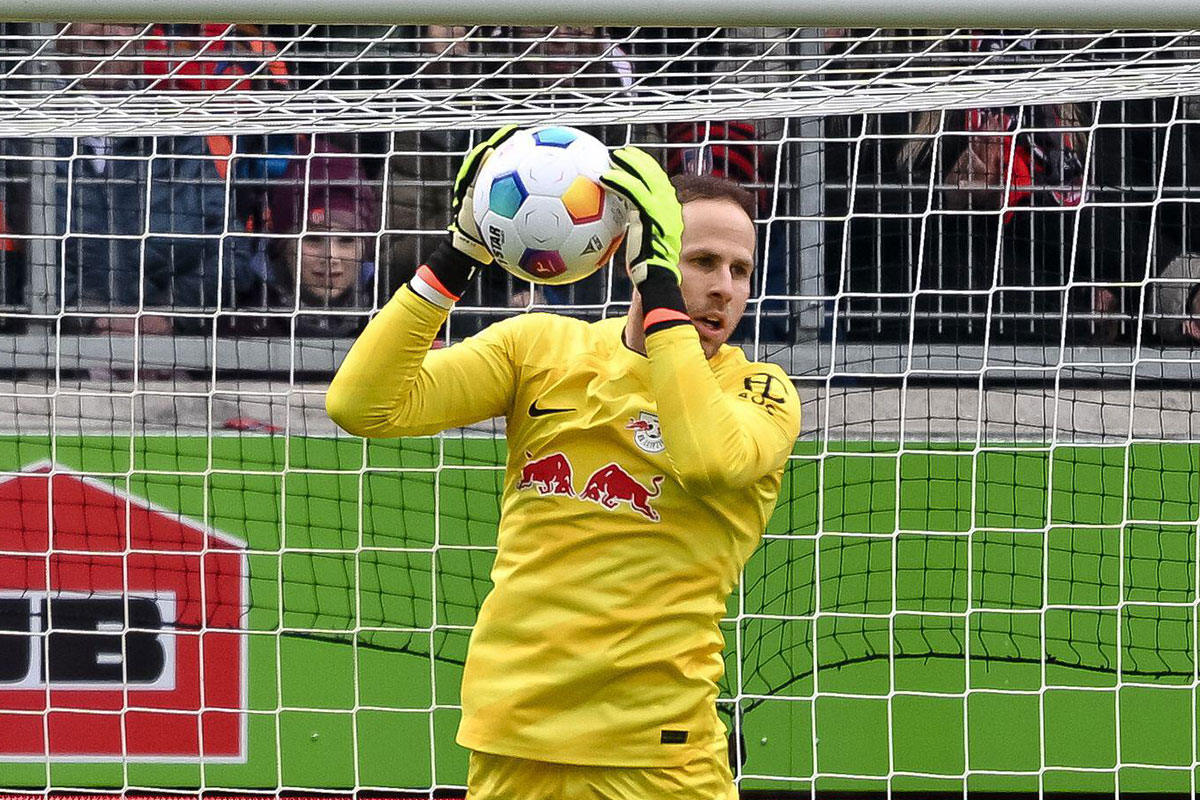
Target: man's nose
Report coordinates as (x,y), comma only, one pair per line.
(722,284)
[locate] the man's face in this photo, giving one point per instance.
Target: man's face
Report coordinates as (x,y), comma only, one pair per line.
(329,265)
(93,45)
(563,52)
(716,263)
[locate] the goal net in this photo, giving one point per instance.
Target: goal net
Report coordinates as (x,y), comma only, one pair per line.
(978,260)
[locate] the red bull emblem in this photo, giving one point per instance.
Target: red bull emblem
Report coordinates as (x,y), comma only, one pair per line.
(646,433)
(611,485)
(549,475)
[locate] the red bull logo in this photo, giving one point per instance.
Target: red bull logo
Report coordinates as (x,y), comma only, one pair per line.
(646,433)
(611,485)
(549,475)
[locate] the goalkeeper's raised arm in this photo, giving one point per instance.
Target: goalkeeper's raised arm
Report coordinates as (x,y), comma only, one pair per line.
(692,263)
(645,456)
(391,384)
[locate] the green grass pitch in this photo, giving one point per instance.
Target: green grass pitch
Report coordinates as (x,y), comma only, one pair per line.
(940,611)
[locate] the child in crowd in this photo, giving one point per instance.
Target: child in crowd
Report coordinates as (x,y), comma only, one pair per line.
(323,268)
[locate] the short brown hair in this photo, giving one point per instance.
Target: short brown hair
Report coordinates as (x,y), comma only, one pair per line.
(690,187)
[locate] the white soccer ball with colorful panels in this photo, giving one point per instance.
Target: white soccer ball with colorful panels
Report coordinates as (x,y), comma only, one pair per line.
(541,209)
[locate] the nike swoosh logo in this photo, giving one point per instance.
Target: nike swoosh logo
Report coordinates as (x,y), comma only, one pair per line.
(535,412)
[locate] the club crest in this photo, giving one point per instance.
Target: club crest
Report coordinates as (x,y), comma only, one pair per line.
(646,433)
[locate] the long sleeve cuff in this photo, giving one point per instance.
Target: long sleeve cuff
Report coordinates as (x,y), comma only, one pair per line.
(662,301)
(444,276)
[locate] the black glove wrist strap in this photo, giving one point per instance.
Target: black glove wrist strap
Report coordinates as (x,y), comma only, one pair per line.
(444,276)
(662,301)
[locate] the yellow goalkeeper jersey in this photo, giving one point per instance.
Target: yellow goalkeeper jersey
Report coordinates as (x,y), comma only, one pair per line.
(636,488)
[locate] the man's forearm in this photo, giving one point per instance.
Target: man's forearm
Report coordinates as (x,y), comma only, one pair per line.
(370,394)
(714,439)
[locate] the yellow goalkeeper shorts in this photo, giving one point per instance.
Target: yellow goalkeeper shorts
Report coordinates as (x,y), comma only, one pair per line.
(492,777)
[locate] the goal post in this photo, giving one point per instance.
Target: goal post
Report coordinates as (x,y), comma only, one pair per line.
(978,260)
(1099,14)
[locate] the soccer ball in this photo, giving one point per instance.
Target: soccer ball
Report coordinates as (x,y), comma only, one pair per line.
(541,209)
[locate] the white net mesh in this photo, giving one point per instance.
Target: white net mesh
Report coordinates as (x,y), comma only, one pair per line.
(978,259)
(141,80)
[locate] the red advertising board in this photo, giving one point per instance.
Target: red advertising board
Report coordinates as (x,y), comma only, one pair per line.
(121,626)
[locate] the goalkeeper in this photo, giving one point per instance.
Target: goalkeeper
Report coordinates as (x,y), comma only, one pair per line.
(644,459)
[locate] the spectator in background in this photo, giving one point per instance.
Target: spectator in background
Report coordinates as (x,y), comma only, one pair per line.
(1177,298)
(570,58)
(956,274)
(330,268)
(126,248)
(101,55)
(1025,160)
(724,149)
(329,211)
(1012,152)
(743,151)
(213,57)
(1148,252)
(423,163)
(731,150)
(222,57)
(1176,228)
(994,170)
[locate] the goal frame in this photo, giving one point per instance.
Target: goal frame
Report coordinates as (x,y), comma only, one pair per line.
(819,363)
(798,13)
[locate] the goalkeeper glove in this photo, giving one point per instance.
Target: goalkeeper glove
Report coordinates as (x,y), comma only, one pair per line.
(655,216)
(444,276)
(655,233)
(464,232)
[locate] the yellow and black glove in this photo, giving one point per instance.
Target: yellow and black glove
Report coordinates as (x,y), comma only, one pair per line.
(464,232)
(655,234)
(449,269)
